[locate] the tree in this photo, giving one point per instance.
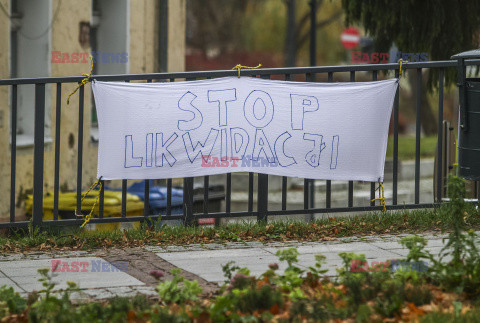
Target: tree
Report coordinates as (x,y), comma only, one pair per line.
(298,33)
(440,27)
(215,25)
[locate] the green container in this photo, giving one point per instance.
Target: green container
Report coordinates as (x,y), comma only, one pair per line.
(469,140)
(469,122)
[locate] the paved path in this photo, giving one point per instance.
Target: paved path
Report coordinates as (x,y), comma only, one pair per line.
(96,277)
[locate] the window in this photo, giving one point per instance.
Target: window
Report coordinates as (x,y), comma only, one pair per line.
(30,22)
(109,40)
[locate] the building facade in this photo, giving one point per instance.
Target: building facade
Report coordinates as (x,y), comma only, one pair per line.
(40,38)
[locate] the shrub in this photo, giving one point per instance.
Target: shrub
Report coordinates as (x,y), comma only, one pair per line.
(174,292)
(11,302)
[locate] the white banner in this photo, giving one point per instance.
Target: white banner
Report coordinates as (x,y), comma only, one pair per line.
(335,131)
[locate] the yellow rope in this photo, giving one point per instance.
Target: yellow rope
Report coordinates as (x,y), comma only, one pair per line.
(401,62)
(84,81)
(239,67)
(89,215)
(381,197)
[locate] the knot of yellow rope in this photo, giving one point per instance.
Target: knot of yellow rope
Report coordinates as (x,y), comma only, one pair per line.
(381,197)
(401,62)
(84,81)
(90,214)
(239,67)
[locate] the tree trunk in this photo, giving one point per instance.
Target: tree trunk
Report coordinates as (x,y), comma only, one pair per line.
(290,41)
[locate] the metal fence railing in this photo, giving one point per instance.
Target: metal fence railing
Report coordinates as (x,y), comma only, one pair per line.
(262,211)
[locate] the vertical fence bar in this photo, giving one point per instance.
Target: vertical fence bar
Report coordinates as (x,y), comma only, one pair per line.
(396,106)
(56,180)
(124,198)
(311,77)
(350,183)
(101,202)
(146,199)
(306,181)
(262,189)
(206,184)
(188,192)
(13,152)
(328,191)
(262,198)
(228,196)
(284,178)
(188,201)
(372,185)
(124,190)
(80,149)
(440,135)
(169,196)
(38,154)
(418,127)
(250,192)
(305,194)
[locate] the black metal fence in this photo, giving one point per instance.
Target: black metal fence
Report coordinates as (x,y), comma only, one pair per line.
(262,211)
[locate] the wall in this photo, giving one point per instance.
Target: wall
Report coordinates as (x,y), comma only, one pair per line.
(176,35)
(142,58)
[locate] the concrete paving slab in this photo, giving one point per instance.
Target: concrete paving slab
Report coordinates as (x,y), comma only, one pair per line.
(388,245)
(215,264)
(10,283)
(146,290)
(99,293)
(122,291)
(436,243)
(208,264)
(25,274)
(207,254)
(306,249)
(434,250)
(91,281)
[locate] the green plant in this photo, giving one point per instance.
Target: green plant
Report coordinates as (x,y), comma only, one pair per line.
(47,307)
(178,290)
(415,245)
(229,269)
(10,301)
(418,295)
(289,255)
(317,270)
(390,301)
(462,272)
(291,278)
(251,299)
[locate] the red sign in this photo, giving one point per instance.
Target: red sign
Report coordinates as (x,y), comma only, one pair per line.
(350,38)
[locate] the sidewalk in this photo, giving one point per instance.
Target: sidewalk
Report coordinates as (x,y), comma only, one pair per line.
(96,277)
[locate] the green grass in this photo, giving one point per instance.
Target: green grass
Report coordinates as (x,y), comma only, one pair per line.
(413,221)
(406,147)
